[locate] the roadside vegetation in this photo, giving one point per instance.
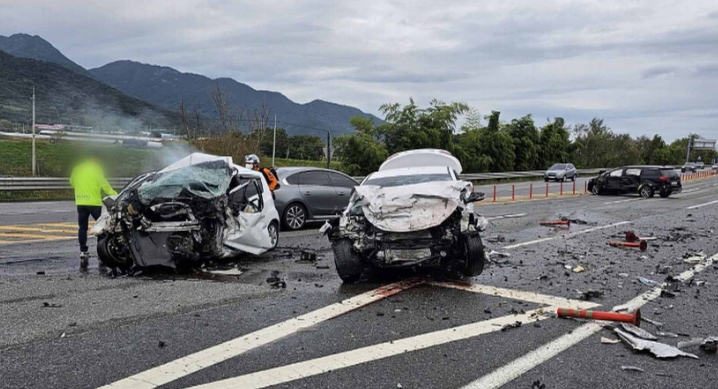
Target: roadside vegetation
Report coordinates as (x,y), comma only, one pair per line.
(486,144)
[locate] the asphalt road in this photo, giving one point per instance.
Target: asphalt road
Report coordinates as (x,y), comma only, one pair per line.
(102,330)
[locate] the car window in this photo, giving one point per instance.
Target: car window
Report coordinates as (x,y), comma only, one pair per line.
(558,166)
(341,181)
(650,173)
(407,180)
(570,166)
(633,172)
(293,179)
(319,178)
(669,173)
(616,173)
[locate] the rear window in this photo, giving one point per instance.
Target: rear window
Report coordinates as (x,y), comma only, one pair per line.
(293,179)
(669,173)
(407,180)
(318,178)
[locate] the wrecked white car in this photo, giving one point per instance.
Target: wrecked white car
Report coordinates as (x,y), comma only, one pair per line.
(201,207)
(413,212)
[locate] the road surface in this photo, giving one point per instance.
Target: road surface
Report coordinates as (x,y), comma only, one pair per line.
(61,329)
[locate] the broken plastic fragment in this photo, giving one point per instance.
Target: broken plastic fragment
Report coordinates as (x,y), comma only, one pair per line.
(638,331)
(610,341)
(578,269)
(620,308)
(632,368)
(660,350)
(709,344)
(657,324)
(647,282)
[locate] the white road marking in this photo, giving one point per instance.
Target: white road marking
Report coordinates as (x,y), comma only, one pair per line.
(514,294)
(702,205)
(624,201)
(189,364)
(519,366)
(567,236)
(300,370)
(506,216)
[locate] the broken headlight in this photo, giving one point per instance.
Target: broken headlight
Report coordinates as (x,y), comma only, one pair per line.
(356,209)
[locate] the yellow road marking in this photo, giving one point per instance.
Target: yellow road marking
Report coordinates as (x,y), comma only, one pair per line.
(21,235)
(18,228)
(6,243)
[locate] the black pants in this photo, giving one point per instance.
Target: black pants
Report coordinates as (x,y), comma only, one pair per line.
(83,216)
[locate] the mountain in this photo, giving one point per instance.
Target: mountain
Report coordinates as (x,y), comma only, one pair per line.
(165,87)
(34,47)
(64,96)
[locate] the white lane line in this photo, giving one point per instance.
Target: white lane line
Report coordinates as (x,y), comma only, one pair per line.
(702,205)
(519,366)
(568,236)
(506,216)
(533,297)
(623,201)
(329,363)
(192,363)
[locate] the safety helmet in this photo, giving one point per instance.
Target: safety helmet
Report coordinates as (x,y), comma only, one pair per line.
(252,158)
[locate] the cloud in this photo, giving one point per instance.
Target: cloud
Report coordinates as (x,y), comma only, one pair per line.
(645,66)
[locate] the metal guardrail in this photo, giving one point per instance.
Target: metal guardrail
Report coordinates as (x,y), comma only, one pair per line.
(14,184)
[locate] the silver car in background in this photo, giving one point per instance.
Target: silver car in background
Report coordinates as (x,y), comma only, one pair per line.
(310,194)
(560,172)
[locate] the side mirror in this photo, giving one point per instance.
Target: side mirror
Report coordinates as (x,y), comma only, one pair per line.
(474,197)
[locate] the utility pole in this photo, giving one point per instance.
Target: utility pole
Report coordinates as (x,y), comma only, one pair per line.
(329,149)
(34,165)
(688,153)
(274,143)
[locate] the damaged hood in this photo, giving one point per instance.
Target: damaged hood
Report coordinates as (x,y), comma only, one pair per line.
(411,207)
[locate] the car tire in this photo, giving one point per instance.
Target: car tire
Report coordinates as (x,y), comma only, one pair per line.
(664,194)
(646,191)
(563,179)
(295,216)
(474,256)
(273,231)
(595,190)
(348,263)
(106,256)
(545,179)
(573,178)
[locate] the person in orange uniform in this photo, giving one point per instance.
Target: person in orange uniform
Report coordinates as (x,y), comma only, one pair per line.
(252,162)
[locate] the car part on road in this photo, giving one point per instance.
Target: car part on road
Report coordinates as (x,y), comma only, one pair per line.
(709,344)
(633,318)
(410,217)
(632,368)
(566,223)
(201,207)
(660,350)
(642,245)
(638,331)
(605,340)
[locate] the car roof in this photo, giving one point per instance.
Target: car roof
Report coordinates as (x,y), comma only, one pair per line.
(408,171)
(286,171)
(645,167)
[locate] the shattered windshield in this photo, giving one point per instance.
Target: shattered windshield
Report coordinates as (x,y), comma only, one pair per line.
(206,180)
(407,180)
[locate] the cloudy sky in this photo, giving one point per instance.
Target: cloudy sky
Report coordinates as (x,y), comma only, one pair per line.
(646,67)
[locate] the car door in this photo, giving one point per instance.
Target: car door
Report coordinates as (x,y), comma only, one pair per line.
(343,186)
(631,180)
(249,202)
(572,170)
(614,179)
(317,192)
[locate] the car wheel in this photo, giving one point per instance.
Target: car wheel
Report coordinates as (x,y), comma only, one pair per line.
(113,253)
(563,179)
(573,178)
(595,189)
(545,179)
(474,256)
(295,216)
(646,191)
(273,230)
(348,263)
(664,194)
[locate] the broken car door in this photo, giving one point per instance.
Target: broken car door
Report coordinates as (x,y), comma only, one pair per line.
(249,225)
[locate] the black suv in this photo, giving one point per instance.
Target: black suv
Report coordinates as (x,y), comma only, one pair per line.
(644,180)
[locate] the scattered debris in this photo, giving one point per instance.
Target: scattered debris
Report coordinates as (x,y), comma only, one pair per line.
(610,341)
(634,317)
(632,368)
(275,282)
(40,273)
(642,245)
(161,344)
(640,332)
(694,258)
(620,308)
(538,385)
(511,326)
(498,254)
(63,335)
(553,223)
(656,324)
(667,334)
(51,305)
(322,266)
(579,269)
(283,254)
(589,294)
(308,256)
(647,282)
(632,237)
(665,293)
(709,344)
(623,275)
(660,350)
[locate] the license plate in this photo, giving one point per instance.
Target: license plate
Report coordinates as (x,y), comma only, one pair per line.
(674,183)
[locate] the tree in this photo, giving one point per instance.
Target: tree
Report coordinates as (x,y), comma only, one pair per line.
(360,153)
(497,145)
(554,143)
(282,142)
(526,143)
(223,106)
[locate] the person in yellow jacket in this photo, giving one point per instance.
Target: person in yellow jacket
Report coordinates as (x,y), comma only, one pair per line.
(88,180)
